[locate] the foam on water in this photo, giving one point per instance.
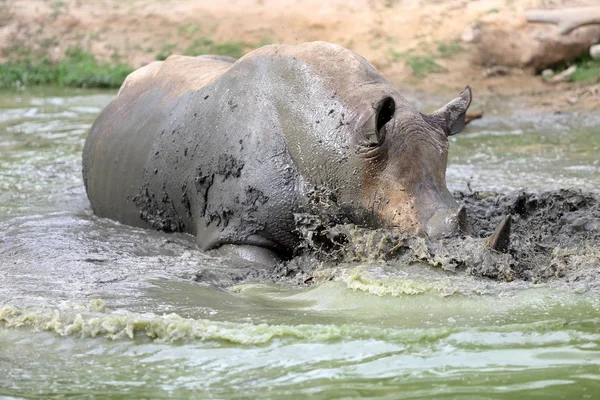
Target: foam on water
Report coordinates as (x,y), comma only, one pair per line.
(95,319)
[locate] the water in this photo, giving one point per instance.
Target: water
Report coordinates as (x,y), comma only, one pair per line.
(92,308)
(532,151)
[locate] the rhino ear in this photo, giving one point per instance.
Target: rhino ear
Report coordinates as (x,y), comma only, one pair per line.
(452,115)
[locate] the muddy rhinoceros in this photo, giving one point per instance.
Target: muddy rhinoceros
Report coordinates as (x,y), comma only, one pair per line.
(230,151)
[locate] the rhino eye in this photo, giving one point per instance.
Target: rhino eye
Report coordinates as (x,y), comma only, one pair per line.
(385,113)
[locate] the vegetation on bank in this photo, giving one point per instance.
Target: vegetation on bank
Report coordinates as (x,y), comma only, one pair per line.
(78,68)
(587,69)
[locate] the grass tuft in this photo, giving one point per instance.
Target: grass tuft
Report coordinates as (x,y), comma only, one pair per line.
(448,49)
(588,69)
(423,65)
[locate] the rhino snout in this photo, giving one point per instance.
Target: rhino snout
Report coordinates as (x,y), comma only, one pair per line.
(447,222)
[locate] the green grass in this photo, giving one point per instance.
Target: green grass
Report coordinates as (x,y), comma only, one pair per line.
(395,55)
(58,7)
(588,70)
(77,68)
(423,60)
(165,52)
(6,13)
(187,29)
(423,65)
(448,49)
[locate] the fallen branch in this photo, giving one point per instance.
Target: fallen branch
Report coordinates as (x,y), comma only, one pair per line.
(567,19)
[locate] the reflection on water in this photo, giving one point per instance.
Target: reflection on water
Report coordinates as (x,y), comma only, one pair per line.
(89,307)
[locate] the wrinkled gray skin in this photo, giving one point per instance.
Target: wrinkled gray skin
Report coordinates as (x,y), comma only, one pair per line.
(230,150)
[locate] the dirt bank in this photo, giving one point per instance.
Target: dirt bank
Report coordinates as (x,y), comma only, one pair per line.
(415,43)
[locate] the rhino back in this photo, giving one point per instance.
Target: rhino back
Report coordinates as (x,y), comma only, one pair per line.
(120,140)
(220,169)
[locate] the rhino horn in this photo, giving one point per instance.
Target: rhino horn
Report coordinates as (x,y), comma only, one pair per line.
(500,239)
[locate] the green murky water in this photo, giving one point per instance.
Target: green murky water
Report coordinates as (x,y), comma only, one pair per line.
(92,308)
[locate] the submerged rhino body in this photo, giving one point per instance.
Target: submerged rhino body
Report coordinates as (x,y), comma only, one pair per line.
(230,151)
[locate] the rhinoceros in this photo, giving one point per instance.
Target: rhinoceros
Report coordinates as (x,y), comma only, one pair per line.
(230,150)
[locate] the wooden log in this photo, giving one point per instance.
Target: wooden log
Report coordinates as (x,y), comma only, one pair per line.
(567,19)
(470,116)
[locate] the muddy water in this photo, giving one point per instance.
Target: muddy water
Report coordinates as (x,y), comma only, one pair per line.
(89,307)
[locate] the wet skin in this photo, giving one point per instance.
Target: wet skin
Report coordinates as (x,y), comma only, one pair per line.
(230,150)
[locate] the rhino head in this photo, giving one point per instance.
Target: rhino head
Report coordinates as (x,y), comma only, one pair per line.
(405,154)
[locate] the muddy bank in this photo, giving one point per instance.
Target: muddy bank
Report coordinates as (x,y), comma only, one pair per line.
(555,237)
